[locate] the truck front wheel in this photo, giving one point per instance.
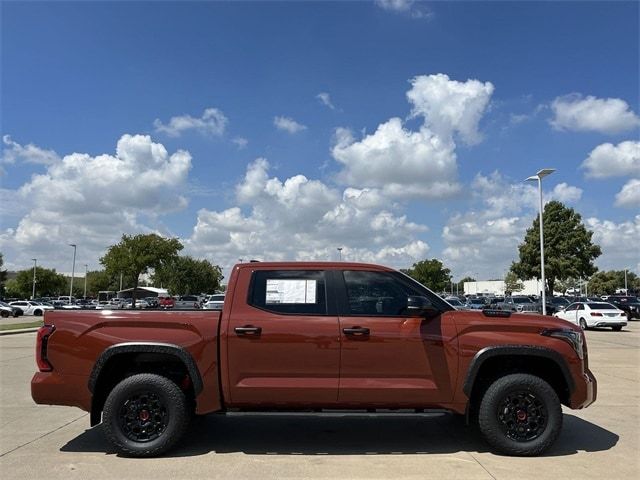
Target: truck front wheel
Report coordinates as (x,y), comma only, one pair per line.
(520,414)
(145,415)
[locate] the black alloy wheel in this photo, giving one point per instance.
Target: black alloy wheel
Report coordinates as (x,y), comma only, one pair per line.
(522,415)
(145,415)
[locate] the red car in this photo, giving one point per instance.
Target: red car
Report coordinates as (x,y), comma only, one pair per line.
(166,302)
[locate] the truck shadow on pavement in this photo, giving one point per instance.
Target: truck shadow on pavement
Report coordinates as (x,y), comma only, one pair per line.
(332,435)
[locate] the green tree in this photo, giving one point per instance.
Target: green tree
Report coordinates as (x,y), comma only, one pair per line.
(512,283)
(431,273)
(606,283)
(136,254)
(184,275)
(98,280)
(463,281)
(49,283)
(568,249)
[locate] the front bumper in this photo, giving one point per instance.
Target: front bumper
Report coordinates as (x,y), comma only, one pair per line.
(586,391)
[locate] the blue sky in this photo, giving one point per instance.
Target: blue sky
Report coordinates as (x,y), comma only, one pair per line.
(499,90)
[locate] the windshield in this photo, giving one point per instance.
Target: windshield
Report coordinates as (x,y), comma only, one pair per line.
(476,301)
(559,301)
(216,298)
(601,306)
(455,302)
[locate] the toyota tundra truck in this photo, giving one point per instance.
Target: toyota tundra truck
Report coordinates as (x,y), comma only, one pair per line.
(314,336)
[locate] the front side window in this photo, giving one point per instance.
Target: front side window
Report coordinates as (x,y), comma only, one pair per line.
(377,293)
(299,292)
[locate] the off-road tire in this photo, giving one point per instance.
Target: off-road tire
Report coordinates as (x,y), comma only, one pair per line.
(617,328)
(493,429)
(583,324)
(169,396)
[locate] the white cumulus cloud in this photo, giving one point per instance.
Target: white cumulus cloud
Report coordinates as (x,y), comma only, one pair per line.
(93,200)
(406,163)
(608,160)
(212,122)
(13,152)
(618,242)
(288,124)
(604,115)
(301,218)
(629,196)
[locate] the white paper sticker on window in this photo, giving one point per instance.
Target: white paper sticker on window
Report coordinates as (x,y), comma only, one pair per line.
(290,291)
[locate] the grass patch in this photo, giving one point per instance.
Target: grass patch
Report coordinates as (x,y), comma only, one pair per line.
(16,326)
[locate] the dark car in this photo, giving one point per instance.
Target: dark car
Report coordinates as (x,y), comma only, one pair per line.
(630,305)
(518,304)
(15,311)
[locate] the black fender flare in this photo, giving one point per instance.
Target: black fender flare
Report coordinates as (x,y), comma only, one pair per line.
(515,350)
(147,347)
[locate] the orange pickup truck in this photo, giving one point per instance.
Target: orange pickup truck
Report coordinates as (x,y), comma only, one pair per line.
(314,337)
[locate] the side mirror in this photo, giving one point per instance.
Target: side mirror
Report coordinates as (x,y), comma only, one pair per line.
(419,306)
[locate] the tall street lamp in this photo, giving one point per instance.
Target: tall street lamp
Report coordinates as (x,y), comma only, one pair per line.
(339,253)
(73,270)
(35,264)
(539,176)
(86,271)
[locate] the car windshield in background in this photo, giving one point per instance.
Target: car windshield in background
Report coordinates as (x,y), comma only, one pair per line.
(216,298)
(521,300)
(455,302)
(476,301)
(601,306)
(559,301)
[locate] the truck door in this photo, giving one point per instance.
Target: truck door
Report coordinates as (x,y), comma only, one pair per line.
(283,341)
(390,358)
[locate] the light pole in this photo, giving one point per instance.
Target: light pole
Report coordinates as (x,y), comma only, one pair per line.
(339,253)
(626,292)
(539,176)
(73,270)
(35,264)
(86,271)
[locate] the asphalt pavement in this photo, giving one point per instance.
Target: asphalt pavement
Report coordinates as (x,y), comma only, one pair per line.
(600,442)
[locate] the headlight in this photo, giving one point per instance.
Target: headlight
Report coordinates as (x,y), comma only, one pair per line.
(572,337)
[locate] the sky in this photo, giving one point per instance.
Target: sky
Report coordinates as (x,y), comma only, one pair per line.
(393,129)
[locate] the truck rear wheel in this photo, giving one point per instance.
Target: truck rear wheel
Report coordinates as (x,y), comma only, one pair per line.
(145,415)
(520,415)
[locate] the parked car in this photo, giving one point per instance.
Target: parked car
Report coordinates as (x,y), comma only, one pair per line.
(456,303)
(518,303)
(321,336)
(15,311)
(166,302)
(152,301)
(30,307)
(594,314)
(140,303)
(186,302)
(630,305)
(214,302)
(6,312)
(476,303)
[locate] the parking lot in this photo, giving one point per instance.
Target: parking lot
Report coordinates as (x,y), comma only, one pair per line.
(601,442)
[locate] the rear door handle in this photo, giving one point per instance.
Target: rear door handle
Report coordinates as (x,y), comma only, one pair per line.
(360,331)
(248,330)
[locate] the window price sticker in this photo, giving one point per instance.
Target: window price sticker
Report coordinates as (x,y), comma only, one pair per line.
(290,291)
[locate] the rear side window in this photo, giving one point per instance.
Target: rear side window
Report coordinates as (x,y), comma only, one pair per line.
(299,292)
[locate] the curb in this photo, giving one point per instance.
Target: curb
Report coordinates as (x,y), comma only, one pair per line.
(15,331)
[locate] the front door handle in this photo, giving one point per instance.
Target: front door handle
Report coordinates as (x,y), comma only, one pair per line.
(248,330)
(358,331)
